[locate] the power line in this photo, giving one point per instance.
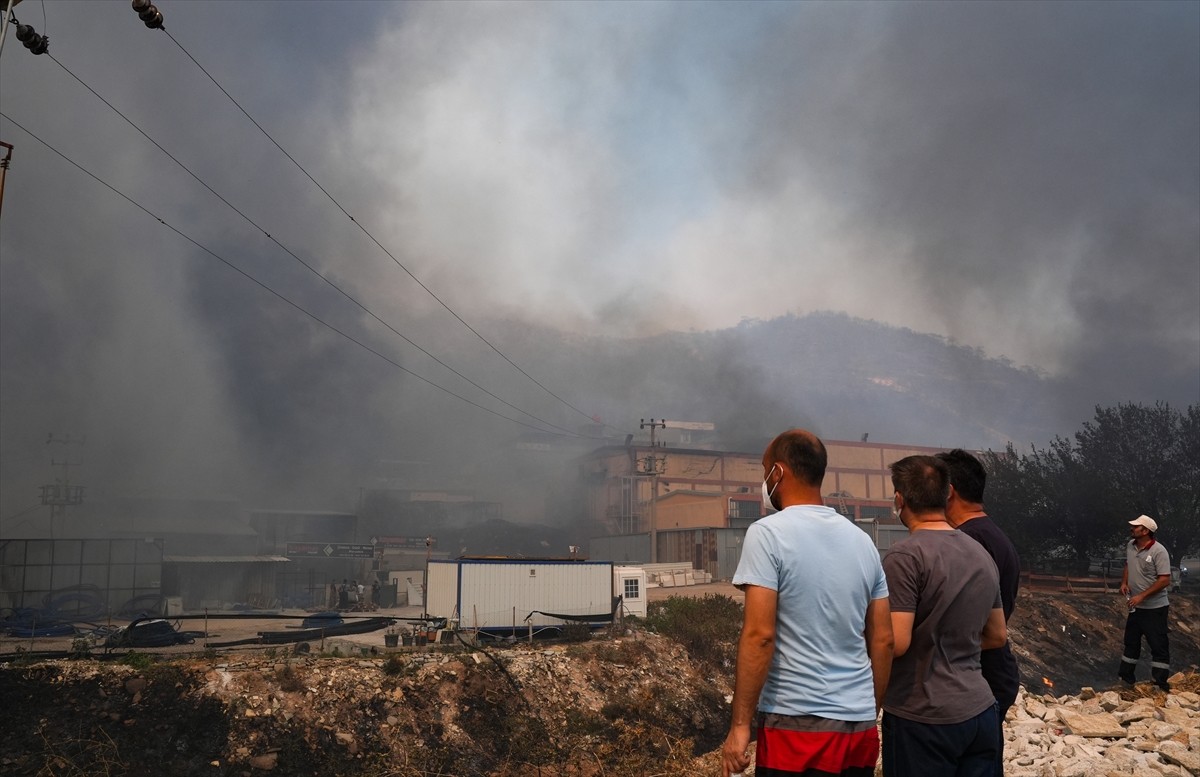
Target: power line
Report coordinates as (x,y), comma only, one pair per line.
(366,232)
(26,511)
(265,287)
(290,253)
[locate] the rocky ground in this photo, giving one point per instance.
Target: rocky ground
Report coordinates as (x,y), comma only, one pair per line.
(1136,732)
(635,703)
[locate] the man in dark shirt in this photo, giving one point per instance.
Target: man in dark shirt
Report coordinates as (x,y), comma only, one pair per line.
(964,510)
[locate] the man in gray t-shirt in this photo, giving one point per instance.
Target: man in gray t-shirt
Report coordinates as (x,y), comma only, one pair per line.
(950,587)
(939,714)
(1145,580)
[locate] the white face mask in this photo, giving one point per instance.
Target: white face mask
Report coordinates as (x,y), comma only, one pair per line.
(769,506)
(895,510)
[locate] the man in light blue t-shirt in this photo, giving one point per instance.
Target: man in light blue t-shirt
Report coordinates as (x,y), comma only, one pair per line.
(816,645)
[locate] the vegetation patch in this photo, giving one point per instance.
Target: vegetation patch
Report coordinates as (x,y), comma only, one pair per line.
(137,660)
(707,627)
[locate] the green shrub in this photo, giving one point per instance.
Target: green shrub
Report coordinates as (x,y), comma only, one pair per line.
(627,652)
(137,660)
(576,632)
(707,627)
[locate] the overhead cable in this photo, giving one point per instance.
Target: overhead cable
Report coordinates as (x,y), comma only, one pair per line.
(371,237)
(266,287)
(290,253)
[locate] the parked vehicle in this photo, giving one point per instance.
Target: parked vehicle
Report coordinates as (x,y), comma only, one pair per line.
(1106,567)
(1113,568)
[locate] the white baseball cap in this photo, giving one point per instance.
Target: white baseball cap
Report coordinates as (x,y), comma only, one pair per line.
(1144,520)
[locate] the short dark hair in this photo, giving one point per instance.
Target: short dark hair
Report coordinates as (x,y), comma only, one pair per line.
(967,475)
(923,481)
(803,453)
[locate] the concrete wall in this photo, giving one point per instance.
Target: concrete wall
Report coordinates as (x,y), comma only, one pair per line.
(692,511)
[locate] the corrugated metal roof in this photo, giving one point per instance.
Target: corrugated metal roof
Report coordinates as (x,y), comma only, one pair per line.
(223,559)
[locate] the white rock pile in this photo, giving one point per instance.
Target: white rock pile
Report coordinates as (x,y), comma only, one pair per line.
(1102,735)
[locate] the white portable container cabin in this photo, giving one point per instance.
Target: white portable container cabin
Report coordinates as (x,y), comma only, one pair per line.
(508,596)
(629,583)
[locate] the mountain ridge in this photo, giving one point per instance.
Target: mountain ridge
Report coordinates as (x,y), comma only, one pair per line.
(841,376)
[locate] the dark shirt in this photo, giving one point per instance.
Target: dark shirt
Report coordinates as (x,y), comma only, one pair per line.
(999,665)
(985,531)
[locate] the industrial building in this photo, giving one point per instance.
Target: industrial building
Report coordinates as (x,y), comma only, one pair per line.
(674,504)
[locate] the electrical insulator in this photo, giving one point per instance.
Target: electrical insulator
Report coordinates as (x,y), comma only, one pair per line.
(148,13)
(38,44)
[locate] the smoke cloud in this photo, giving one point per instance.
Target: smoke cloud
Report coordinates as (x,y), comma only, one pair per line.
(1019,178)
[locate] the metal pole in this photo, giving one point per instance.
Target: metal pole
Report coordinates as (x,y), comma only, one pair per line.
(425,582)
(652,464)
(4,27)
(654,516)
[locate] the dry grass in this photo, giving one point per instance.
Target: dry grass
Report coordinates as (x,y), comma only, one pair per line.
(1190,682)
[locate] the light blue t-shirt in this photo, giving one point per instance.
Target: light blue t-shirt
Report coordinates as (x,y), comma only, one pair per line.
(826,570)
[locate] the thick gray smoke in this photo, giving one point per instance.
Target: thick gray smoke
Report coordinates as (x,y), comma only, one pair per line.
(1019,178)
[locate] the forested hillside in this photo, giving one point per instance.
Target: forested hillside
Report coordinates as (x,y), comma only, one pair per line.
(841,376)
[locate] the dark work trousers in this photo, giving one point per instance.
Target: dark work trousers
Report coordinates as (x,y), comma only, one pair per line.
(1151,624)
(967,749)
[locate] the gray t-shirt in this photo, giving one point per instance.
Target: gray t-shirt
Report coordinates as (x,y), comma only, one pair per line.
(1144,568)
(950,583)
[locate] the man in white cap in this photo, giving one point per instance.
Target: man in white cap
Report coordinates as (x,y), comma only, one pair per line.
(1145,580)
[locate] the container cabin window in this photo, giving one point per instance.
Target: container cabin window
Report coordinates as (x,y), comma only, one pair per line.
(631,588)
(533,572)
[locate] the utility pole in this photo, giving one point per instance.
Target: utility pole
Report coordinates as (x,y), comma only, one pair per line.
(60,494)
(425,582)
(4,24)
(8,6)
(4,168)
(653,465)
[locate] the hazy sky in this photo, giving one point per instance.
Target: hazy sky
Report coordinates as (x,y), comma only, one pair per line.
(1021,177)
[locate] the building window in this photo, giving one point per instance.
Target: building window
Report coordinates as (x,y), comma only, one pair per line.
(869,513)
(631,588)
(745,509)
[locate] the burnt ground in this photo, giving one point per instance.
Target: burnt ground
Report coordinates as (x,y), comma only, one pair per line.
(630,704)
(1071,640)
(1075,640)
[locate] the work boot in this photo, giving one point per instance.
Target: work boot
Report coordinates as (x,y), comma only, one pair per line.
(1160,678)
(1126,669)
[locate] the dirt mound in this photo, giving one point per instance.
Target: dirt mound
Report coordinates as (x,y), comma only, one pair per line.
(636,704)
